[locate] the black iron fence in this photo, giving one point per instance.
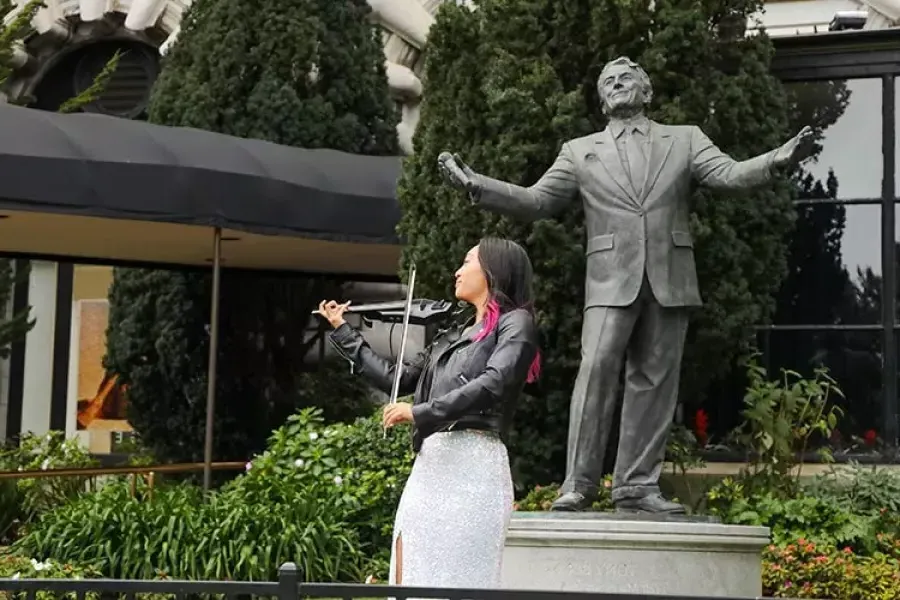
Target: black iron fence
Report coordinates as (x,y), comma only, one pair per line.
(288,587)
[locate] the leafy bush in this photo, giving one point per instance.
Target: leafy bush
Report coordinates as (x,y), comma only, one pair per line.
(807,570)
(21,500)
(372,469)
(21,567)
(819,520)
(322,496)
(377,469)
(781,417)
(542,497)
(118,534)
(859,489)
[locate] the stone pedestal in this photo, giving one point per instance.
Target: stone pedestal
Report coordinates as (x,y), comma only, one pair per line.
(613,553)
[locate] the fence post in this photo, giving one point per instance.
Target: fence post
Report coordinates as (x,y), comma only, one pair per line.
(288,582)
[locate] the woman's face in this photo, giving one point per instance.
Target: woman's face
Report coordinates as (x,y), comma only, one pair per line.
(471,284)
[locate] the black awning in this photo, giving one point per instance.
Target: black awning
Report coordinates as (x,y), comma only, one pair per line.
(67,179)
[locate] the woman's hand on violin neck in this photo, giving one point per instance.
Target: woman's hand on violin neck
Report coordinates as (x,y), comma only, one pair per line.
(397,413)
(333,312)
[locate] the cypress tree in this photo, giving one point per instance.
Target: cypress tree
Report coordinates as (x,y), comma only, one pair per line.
(306,73)
(508,82)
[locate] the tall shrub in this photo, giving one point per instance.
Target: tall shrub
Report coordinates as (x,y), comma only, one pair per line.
(306,73)
(508,82)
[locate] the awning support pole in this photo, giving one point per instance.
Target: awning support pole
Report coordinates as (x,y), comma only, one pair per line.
(213,356)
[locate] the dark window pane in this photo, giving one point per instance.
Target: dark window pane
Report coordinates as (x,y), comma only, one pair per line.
(846,116)
(834,266)
(853,360)
(896,265)
(896,137)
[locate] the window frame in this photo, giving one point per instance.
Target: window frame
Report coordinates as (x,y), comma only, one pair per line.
(869,54)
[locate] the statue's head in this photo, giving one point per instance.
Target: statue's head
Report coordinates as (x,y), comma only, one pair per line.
(624,87)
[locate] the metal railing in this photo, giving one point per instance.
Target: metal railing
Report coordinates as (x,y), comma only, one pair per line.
(289,587)
(122,470)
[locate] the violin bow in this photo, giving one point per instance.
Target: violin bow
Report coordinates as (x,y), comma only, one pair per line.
(398,369)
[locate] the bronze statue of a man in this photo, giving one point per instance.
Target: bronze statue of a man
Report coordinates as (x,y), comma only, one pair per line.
(635,180)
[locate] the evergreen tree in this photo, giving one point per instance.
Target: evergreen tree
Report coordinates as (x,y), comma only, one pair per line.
(306,73)
(508,82)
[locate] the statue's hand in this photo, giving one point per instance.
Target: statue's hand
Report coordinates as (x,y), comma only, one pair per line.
(795,149)
(457,173)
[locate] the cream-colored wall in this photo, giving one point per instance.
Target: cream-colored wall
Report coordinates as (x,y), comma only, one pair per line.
(790,17)
(91,282)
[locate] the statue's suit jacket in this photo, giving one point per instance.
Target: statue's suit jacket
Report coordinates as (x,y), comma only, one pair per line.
(629,233)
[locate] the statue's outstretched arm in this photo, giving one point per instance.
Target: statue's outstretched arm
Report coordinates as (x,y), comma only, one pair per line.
(715,169)
(552,192)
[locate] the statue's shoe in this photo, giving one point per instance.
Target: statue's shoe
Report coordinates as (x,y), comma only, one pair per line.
(572,502)
(654,503)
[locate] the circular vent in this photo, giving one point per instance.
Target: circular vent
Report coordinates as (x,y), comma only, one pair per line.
(127,91)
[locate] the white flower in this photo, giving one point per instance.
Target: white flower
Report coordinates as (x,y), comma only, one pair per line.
(15,575)
(313,436)
(39,566)
(45,464)
(299,462)
(338,480)
(248,466)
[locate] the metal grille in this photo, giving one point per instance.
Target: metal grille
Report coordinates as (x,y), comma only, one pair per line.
(289,587)
(128,90)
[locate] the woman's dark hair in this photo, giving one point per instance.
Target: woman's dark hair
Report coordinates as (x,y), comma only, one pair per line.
(509,274)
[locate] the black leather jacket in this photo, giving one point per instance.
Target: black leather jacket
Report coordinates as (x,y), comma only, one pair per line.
(458,383)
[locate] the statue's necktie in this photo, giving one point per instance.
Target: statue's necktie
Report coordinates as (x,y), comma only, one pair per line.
(637,162)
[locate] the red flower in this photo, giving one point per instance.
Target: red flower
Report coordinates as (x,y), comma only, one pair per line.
(870,437)
(701,426)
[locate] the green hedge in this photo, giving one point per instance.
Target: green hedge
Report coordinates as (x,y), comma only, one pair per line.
(322,496)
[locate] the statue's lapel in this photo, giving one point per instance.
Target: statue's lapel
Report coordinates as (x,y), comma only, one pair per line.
(609,158)
(660,146)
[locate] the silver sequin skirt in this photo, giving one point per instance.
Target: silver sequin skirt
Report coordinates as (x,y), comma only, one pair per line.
(454,512)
